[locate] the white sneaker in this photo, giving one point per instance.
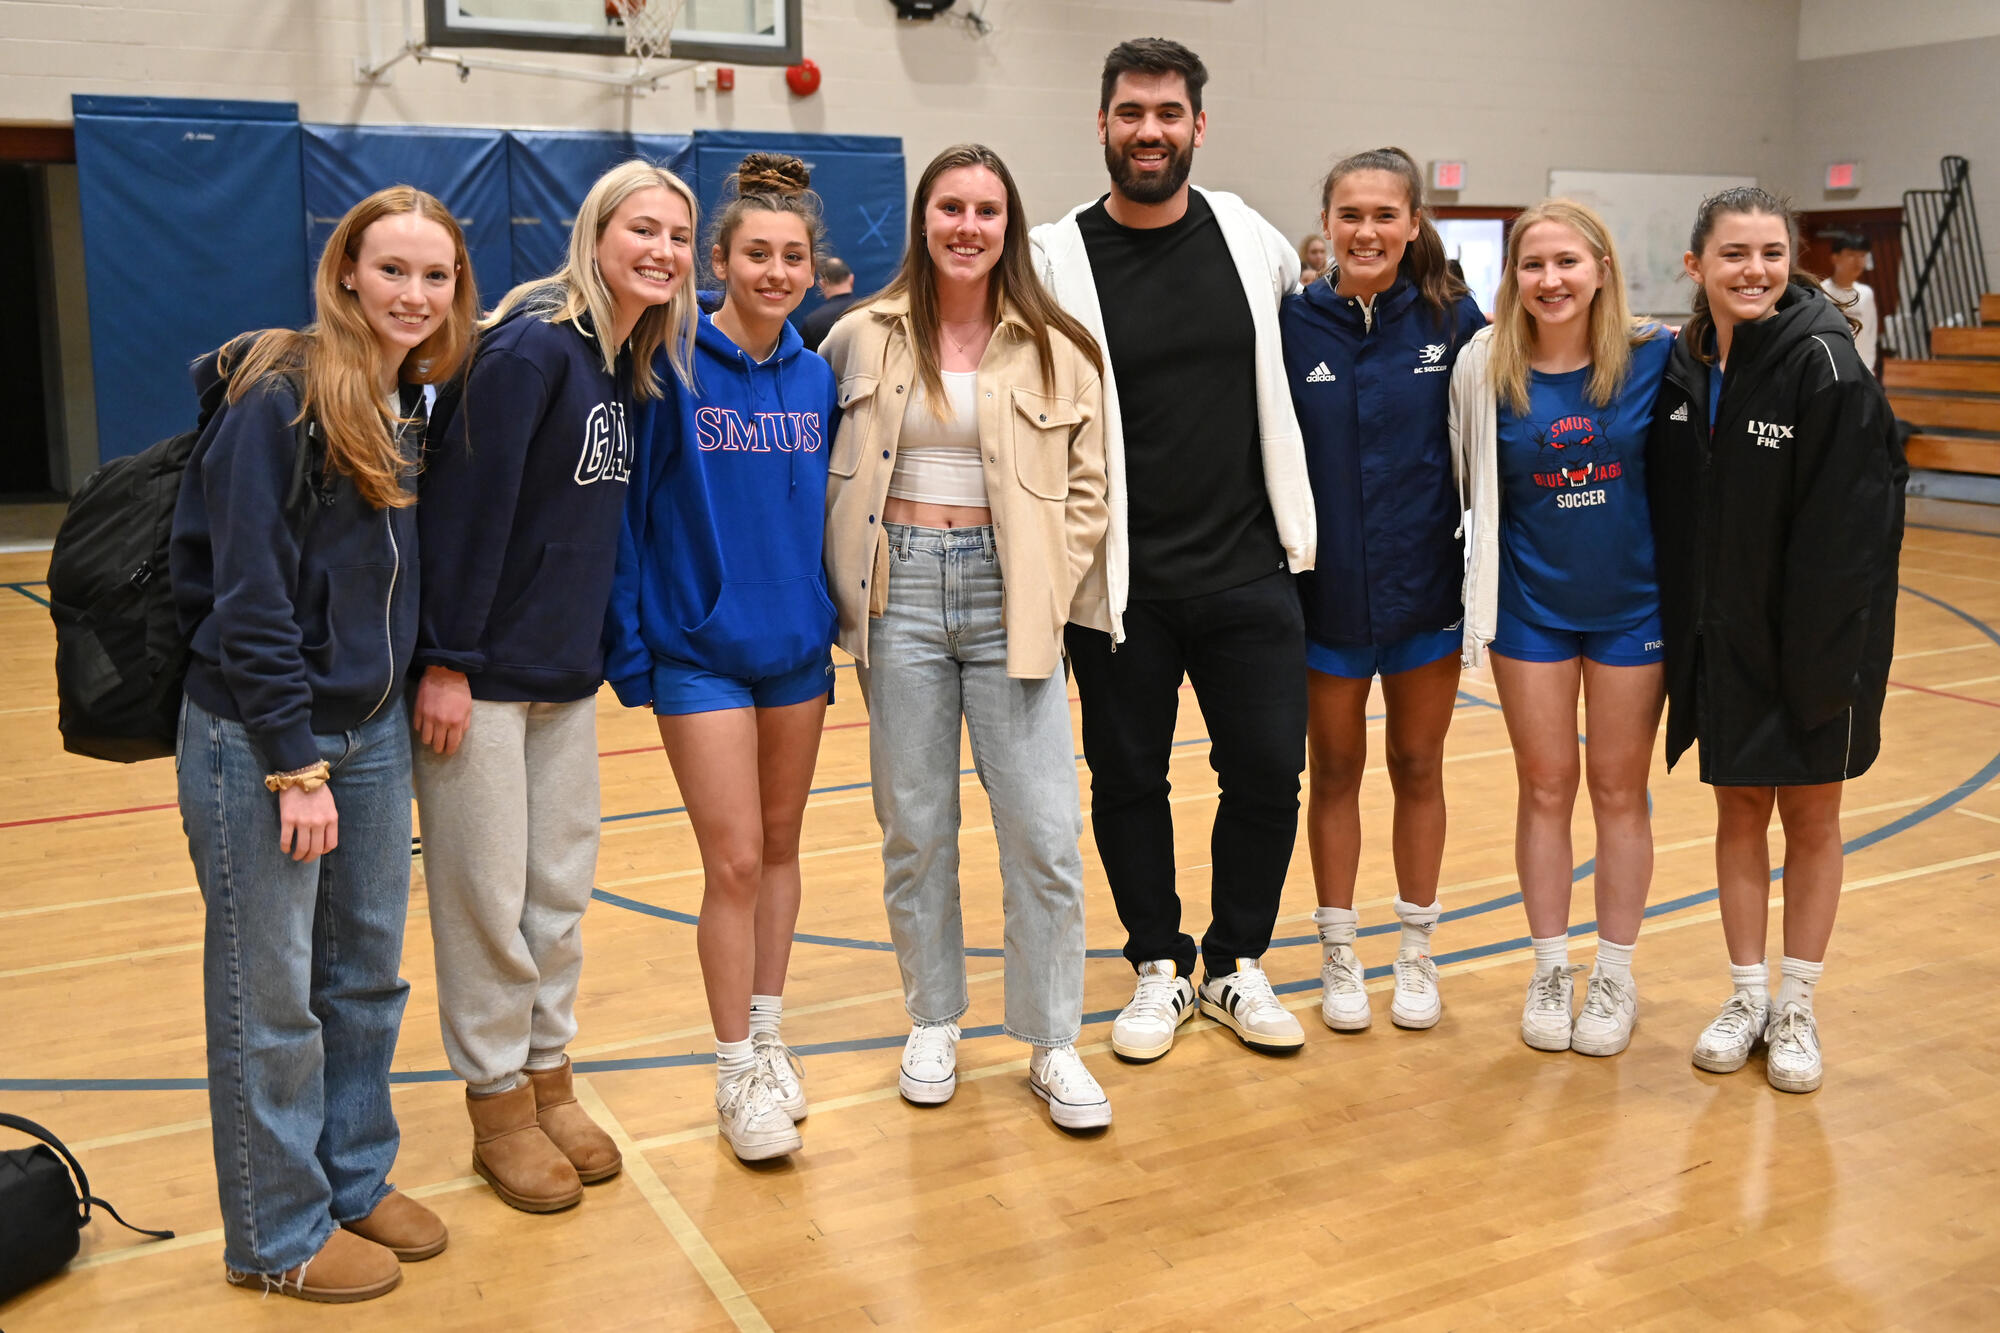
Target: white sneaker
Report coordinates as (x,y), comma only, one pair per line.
(787,1075)
(1731,1035)
(1793,1063)
(1610,1012)
(930,1064)
(1417,1003)
(1075,1101)
(1343,1000)
(1160,1003)
(1244,1003)
(1545,1017)
(749,1117)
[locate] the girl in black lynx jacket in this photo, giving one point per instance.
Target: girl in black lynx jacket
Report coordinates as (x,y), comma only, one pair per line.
(1777,493)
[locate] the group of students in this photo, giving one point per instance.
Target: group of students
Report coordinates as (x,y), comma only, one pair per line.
(1126,447)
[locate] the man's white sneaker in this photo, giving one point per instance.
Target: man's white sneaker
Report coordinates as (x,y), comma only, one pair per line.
(750,1119)
(787,1075)
(1243,1002)
(1161,1002)
(1610,1011)
(1416,1003)
(930,1064)
(1343,1000)
(1075,1100)
(1793,1064)
(1545,1017)
(1731,1035)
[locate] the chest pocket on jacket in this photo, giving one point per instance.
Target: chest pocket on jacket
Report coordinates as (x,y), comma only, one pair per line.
(857,423)
(1042,426)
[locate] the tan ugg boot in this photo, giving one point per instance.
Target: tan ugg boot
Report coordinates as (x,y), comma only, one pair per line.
(404,1227)
(512,1154)
(589,1149)
(347,1268)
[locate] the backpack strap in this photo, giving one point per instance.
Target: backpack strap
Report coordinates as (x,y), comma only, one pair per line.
(33,1130)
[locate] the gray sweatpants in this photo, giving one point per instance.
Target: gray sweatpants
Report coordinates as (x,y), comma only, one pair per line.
(510,827)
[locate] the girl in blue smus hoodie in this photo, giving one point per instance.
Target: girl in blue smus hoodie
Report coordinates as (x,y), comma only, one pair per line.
(1369,350)
(522,505)
(721,621)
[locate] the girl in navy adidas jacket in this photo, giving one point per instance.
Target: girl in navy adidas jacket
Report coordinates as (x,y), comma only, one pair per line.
(1369,349)
(293,754)
(721,622)
(522,503)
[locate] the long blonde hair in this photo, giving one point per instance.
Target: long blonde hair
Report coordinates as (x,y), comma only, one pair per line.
(576,290)
(339,359)
(1613,330)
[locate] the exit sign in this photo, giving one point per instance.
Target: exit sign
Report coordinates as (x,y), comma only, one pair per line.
(1843,176)
(1447,175)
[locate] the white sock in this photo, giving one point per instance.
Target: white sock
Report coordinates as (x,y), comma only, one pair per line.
(1550,953)
(1615,960)
(1795,984)
(1418,923)
(732,1059)
(1753,977)
(1336,926)
(765,1013)
(497,1086)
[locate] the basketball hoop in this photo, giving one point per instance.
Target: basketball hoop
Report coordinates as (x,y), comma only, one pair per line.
(648,24)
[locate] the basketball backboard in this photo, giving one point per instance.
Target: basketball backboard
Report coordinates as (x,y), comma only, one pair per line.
(738,32)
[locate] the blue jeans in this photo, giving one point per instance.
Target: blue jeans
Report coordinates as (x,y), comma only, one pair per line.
(936,655)
(300,983)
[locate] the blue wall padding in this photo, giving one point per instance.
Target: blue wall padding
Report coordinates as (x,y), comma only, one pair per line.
(549,172)
(465,168)
(191,234)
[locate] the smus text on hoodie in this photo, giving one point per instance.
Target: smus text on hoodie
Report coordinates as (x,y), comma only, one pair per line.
(521,502)
(720,562)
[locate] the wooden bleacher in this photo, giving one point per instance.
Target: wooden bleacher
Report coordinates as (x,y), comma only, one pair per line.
(1954,399)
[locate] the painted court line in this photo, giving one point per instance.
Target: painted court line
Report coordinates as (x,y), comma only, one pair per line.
(132,957)
(95,902)
(1979,814)
(1939,652)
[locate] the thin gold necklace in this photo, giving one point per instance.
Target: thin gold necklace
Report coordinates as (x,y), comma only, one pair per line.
(946,330)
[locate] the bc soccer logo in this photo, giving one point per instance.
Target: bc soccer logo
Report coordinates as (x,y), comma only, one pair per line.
(607,451)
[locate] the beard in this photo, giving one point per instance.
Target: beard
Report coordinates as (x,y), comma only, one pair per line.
(1149,187)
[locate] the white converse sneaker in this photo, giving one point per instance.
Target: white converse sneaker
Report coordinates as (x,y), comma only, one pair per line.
(1161,1002)
(1244,1003)
(787,1075)
(1075,1101)
(1343,1000)
(1545,1017)
(749,1118)
(1793,1063)
(930,1064)
(1731,1035)
(1417,1003)
(1610,1012)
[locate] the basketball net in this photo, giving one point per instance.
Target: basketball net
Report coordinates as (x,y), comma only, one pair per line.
(649,25)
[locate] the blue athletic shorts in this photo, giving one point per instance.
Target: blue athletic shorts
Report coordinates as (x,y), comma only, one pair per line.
(679,688)
(1359,661)
(1640,644)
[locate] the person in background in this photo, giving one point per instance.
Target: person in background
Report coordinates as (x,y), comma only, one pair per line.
(1857,298)
(1312,258)
(836,284)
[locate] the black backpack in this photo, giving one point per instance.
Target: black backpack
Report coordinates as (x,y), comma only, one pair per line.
(42,1209)
(120,655)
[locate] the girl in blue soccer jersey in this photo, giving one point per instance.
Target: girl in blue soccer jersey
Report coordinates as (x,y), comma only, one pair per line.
(1369,350)
(721,622)
(1550,410)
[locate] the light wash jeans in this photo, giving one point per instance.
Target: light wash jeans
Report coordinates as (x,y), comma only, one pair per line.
(300,983)
(936,655)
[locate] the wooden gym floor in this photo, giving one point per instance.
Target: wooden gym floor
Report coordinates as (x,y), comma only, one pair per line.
(1448,1179)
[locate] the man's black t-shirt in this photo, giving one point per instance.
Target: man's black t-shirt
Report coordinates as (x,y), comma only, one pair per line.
(1183,351)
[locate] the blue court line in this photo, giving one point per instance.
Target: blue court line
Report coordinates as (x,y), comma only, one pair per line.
(22,588)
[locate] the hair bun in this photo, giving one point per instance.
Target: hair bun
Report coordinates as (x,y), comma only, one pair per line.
(771,173)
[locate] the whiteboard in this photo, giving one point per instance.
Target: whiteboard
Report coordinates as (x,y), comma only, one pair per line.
(1650,216)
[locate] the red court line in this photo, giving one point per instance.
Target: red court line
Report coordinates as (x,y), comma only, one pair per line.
(1946,694)
(91,814)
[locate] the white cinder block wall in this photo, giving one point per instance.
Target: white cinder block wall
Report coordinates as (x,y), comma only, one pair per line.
(1513,87)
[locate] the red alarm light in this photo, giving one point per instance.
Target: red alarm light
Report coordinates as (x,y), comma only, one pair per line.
(802,78)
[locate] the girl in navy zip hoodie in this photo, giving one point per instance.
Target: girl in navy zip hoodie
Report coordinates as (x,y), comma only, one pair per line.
(721,621)
(1369,350)
(522,503)
(294,750)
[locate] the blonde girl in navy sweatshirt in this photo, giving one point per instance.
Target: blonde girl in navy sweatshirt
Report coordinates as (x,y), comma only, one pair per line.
(522,501)
(721,622)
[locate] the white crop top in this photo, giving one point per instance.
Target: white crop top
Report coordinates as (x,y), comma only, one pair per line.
(937,462)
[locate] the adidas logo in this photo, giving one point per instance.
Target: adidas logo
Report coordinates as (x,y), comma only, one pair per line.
(1680,413)
(1320,375)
